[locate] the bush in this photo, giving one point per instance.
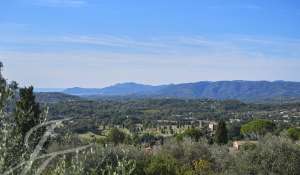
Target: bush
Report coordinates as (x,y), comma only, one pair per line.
(161,164)
(187,152)
(116,136)
(294,133)
(273,155)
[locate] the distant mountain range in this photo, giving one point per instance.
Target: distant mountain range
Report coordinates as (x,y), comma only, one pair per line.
(121,89)
(241,90)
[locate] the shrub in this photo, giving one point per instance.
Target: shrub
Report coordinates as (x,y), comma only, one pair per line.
(273,155)
(161,164)
(116,136)
(294,133)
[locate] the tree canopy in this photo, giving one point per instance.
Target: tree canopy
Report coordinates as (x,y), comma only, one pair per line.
(257,128)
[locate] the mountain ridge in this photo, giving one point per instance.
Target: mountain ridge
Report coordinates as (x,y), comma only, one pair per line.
(236,89)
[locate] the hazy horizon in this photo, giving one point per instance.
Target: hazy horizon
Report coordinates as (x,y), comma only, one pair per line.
(87,43)
(58,89)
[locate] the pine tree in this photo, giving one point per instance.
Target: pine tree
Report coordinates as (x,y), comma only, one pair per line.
(221,133)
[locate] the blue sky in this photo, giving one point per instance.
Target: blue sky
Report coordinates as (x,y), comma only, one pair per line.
(95,43)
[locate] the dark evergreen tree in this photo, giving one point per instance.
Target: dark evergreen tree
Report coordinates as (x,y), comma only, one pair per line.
(221,133)
(27,112)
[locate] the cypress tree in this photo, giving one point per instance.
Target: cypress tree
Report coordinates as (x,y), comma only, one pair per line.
(221,133)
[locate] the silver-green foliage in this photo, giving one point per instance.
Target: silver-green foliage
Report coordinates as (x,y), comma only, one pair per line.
(103,160)
(7,92)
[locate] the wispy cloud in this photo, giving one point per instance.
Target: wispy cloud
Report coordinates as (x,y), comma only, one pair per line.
(109,40)
(189,45)
(61,3)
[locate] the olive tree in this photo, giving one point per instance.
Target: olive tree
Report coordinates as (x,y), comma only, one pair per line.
(7,93)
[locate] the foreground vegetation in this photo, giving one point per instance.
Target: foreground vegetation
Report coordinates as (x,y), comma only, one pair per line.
(145,137)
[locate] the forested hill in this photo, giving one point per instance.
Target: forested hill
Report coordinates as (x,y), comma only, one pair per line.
(241,90)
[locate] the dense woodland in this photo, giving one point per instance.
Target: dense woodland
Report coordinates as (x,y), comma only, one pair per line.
(60,134)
